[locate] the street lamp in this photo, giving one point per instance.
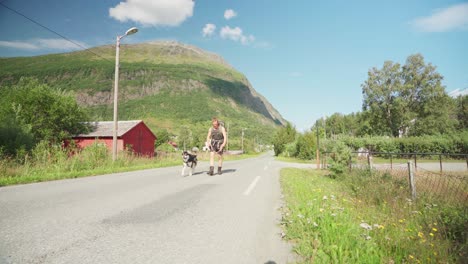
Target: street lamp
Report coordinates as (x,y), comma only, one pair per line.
(243,139)
(318,144)
(132,30)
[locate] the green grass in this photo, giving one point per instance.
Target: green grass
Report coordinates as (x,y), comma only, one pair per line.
(12,173)
(92,161)
(367,219)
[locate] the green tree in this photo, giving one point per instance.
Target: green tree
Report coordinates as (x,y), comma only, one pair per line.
(339,159)
(382,99)
(283,136)
(462,112)
(409,98)
(184,139)
(35,109)
(306,145)
(426,98)
(162,136)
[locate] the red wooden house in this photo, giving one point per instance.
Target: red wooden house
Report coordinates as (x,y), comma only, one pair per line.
(130,134)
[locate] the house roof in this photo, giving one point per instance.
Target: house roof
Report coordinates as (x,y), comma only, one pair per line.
(106,128)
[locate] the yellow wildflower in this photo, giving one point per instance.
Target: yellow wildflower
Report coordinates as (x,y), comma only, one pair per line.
(420,234)
(431,234)
(411,256)
(434,229)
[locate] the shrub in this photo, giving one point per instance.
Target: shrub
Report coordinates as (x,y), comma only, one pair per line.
(339,159)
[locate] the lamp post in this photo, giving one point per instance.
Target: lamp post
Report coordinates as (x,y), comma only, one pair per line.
(318,144)
(132,30)
(243,139)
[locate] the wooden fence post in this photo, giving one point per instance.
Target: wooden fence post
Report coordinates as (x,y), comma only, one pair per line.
(391,162)
(440,162)
(350,163)
(318,158)
(415,162)
(411,181)
(369,159)
(466,157)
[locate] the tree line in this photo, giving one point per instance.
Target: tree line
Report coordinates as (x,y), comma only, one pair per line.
(406,100)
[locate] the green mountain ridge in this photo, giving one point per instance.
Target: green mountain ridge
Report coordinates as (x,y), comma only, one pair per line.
(168,84)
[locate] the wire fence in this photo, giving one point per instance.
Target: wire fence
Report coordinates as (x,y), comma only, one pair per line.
(436,176)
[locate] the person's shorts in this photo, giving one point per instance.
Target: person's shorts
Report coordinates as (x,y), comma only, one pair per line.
(215,146)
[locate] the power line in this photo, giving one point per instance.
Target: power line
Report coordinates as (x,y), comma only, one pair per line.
(56,33)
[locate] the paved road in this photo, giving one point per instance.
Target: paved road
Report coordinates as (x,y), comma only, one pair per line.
(429,166)
(150,216)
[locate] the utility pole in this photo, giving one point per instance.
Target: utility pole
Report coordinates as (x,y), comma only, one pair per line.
(242,140)
(227,139)
(318,145)
(131,31)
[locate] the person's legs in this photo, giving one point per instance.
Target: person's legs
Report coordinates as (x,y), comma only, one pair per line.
(212,154)
(220,163)
(211,171)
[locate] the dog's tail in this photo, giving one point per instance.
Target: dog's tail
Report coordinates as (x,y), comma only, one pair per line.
(195,150)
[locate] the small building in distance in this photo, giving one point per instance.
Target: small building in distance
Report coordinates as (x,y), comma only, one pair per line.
(132,135)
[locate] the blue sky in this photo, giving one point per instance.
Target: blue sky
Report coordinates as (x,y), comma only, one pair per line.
(308,58)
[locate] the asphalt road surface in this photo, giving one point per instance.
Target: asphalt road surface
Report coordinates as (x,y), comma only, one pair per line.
(149,216)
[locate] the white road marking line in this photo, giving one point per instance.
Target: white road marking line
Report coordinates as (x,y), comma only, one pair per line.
(251,186)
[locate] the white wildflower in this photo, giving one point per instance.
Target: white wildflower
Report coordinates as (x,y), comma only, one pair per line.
(366,226)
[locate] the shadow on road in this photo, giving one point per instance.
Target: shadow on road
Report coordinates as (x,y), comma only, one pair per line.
(228,171)
(215,173)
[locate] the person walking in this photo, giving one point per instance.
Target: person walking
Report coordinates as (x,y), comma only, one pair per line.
(216,140)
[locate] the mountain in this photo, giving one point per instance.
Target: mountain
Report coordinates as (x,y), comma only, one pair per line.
(167,84)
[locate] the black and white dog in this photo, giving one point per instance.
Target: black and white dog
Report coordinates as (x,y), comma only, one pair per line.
(190,161)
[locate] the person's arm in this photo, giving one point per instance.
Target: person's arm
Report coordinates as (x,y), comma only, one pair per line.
(224,138)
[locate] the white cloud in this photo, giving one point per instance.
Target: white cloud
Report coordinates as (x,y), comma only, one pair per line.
(153,12)
(44,44)
(236,34)
(209,30)
(229,13)
(263,45)
(458,92)
(450,18)
(18,45)
(60,44)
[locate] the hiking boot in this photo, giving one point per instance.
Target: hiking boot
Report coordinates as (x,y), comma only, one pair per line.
(219,171)
(211,172)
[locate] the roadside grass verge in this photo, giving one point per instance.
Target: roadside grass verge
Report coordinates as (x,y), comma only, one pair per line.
(368,218)
(51,163)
